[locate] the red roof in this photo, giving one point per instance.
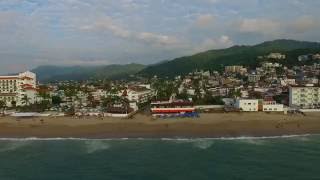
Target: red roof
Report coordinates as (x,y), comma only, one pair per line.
(125,93)
(30,88)
(27,85)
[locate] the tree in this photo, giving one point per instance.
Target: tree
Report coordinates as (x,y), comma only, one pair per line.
(183,95)
(25,100)
(90,99)
(235,93)
(2,106)
(14,104)
(44,105)
(56,100)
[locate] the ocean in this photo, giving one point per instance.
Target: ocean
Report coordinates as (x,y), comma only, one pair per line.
(288,157)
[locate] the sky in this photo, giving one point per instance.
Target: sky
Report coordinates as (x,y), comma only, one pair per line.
(102,32)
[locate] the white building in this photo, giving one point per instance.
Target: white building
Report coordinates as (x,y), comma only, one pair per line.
(138,94)
(286,82)
(272,106)
(247,105)
(235,69)
(253,78)
(18,89)
(304,97)
(276,56)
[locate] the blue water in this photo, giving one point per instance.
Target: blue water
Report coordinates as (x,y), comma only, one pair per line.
(161,159)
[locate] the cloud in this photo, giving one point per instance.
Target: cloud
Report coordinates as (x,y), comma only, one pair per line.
(211,43)
(156,38)
(260,26)
(35,32)
(204,20)
(107,24)
(302,24)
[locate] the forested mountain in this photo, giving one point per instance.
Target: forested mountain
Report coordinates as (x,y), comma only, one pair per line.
(236,55)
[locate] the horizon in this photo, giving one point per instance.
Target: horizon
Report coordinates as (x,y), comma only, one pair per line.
(96,32)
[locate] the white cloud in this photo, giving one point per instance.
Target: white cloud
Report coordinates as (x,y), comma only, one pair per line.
(107,24)
(211,43)
(156,38)
(262,26)
(204,20)
(302,24)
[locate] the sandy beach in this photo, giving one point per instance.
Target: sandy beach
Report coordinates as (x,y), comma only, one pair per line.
(208,125)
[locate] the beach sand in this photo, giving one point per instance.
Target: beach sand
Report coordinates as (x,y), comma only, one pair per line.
(208,125)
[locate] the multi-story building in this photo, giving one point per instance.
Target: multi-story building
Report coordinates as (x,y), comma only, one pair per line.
(138,94)
(235,69)
(18,89)
(272,106)
(304,97)
(253,78)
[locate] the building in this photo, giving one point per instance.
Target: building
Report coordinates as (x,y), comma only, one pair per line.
(276,56)
(253,78)
(247,105)
(316,57)
(235,69)
(18,89)
(304,97)
(286,82)
(272,106)
(173,108)
(138,94)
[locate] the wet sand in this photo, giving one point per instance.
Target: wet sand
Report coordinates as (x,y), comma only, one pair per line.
(141,126)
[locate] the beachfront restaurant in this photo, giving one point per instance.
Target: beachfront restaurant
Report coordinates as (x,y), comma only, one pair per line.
(173,109)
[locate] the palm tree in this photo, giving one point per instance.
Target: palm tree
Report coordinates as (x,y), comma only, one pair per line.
(2,106)
(25,100)
(90,99)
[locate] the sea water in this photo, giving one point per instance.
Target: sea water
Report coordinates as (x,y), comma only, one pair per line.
(288,157)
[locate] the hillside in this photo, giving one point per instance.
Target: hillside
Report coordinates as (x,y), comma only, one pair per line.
(53,73)
(236,55)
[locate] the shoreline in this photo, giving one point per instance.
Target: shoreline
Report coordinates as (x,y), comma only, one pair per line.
(214,125)
(163,139)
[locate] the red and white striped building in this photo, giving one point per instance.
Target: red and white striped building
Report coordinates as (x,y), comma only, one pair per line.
(14,89)
(159,108)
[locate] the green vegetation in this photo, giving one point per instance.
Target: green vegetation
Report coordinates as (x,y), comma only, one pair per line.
(237,55)
(79,73)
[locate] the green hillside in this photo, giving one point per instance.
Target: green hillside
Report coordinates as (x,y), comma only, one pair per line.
(78,73)
(236,55)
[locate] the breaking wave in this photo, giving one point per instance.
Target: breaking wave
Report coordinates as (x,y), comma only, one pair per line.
(96,146)
(303,136)
(13,145)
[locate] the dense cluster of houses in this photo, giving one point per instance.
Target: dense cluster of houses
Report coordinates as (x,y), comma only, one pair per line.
(270,87)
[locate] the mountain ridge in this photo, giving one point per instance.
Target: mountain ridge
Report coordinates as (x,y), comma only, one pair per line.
(49,73)
(214,59)
(236,55)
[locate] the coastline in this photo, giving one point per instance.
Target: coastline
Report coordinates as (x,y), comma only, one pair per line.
(214,125)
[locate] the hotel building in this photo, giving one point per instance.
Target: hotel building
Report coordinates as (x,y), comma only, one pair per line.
(18,89)
(304,97)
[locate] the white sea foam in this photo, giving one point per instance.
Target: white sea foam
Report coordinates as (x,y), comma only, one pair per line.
(163,139)
(13,145)
(203,144)
(96,146)
(257,142)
